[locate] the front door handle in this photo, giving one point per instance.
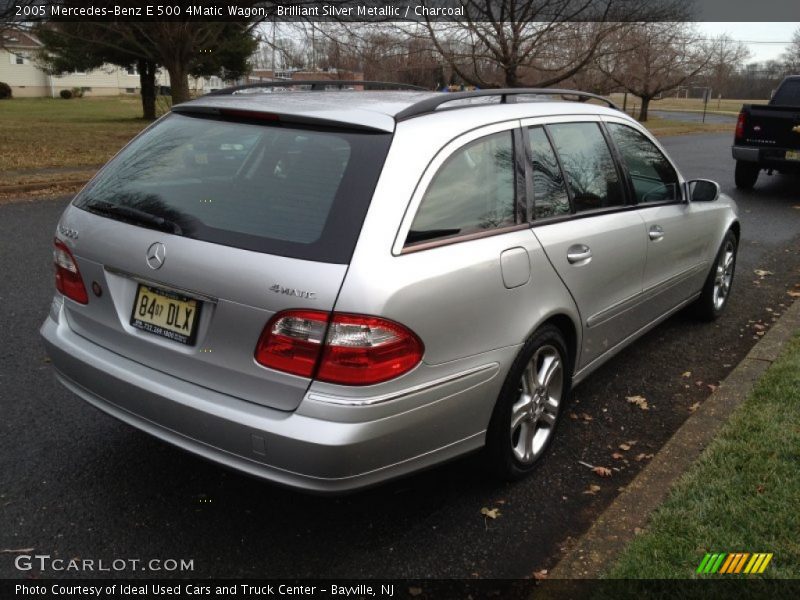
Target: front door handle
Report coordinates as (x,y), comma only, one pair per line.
(579,253)
(656,232)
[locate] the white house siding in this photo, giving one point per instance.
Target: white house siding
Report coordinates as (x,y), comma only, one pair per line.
(26,80)
(105,81)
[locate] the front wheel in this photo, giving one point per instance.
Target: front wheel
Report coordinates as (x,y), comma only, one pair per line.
(529,405)
(719,282)
(746,174)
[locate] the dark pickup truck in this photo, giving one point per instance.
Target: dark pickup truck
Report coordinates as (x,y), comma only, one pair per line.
(768,135)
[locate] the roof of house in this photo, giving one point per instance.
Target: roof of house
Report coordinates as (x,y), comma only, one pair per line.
(19,39)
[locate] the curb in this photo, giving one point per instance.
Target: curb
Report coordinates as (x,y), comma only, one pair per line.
(599,547)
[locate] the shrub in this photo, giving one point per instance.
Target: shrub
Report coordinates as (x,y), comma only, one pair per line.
(5,91)
(77,92)
(65,94)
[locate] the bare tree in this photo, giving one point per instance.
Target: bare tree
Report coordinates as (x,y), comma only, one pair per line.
(792,55)
(655,58)
(535,42)
(725,59)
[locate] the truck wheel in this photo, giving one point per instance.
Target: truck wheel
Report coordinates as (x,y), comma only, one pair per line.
(746,175)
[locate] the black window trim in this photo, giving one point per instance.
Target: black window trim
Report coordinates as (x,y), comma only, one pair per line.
(627,196)
(529,174)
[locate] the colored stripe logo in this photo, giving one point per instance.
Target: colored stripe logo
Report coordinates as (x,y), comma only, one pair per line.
(733,563)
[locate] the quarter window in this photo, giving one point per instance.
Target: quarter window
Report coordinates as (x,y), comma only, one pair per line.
(588,166)
(473,191)
(653,178)
(550,196)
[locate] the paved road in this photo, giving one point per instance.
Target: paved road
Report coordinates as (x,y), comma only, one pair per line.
(75,483)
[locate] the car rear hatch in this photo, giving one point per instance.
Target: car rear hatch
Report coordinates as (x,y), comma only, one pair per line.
(204,227)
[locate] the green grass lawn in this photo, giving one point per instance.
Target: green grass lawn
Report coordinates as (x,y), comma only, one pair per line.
(42,133)
(663,127)
(743,494)
(722,105)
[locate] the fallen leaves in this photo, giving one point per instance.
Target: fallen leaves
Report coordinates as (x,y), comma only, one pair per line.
(625,447)
(762,273)
(694,407)
(639,401)
(617,456)
(592,490)
(539,575)
(793,294)
(686,374)
(490,513)
(643,456)
(602,471)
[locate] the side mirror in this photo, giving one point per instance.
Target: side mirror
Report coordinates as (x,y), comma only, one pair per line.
(703,190)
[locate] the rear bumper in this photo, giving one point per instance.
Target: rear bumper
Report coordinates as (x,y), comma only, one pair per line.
(288,448)
(768,158)
(745,153)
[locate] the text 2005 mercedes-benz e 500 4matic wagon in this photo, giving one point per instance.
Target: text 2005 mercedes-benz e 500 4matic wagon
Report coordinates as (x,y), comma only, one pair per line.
(329,289)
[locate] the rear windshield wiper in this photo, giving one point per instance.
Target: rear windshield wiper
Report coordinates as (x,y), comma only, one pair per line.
(134,216)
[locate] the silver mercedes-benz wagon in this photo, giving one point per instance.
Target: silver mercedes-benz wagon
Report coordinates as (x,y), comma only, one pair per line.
(328,289)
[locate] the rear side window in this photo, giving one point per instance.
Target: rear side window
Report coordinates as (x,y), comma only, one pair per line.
(653,178)
(788,93)
(272,188)
(550,197)
(473,191)
(588,166)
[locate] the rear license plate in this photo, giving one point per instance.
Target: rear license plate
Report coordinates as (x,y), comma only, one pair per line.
(165,313)
(792,155)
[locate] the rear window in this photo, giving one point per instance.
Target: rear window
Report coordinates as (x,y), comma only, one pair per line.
(788,94)
(275,188)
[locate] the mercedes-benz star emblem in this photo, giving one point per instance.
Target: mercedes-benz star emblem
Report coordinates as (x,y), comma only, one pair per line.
(156,255)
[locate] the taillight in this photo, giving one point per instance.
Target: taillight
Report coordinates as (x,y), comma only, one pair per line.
(68,277)
(741,121)
(347,349)
(292,341)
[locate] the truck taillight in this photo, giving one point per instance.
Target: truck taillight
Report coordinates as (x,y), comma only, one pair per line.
(741,121)
(68,277)
(343,348)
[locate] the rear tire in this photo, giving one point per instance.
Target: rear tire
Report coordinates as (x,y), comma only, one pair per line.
(529,405)
(746,174)
(718,285)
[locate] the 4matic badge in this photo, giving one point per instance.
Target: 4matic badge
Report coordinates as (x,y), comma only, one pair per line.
(286,291)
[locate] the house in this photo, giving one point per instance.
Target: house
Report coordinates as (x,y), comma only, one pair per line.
(20,70)
(17,67)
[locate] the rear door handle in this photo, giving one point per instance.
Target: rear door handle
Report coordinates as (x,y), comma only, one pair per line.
(579,253)
(656,232)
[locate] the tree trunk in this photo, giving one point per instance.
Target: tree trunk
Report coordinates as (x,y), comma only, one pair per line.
(179,83)
(643,109)
(147,81)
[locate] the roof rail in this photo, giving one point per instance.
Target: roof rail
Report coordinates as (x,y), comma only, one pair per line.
(507,95)
(317,85)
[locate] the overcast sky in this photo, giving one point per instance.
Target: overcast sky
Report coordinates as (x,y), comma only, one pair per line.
(773,36)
